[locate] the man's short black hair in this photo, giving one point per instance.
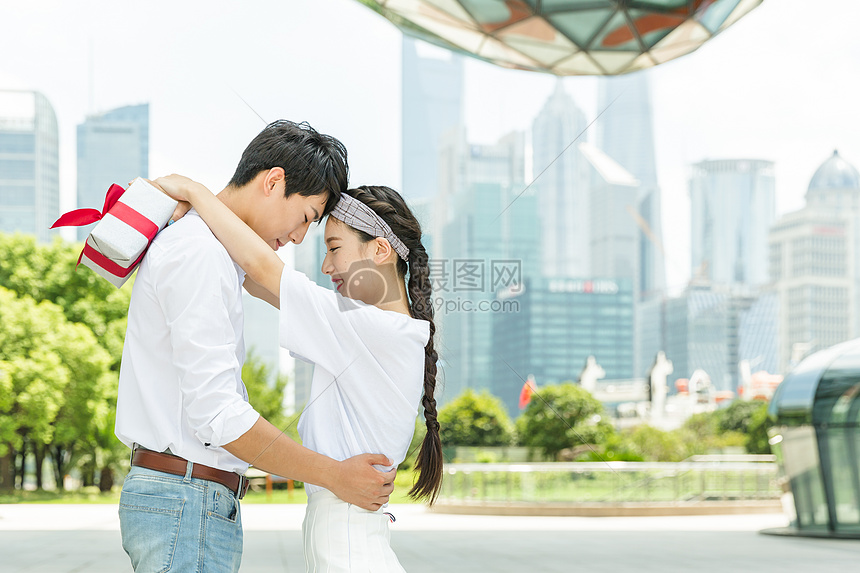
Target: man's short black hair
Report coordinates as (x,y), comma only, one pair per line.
(313,162)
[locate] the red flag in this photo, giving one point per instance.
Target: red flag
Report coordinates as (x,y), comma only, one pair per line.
(529,388)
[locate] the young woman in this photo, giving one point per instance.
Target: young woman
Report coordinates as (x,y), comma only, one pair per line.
(372,346)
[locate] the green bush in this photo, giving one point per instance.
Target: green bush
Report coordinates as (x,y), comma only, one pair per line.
(475,420)
(563,417)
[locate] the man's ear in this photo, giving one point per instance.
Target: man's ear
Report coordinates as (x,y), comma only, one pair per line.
(272,180)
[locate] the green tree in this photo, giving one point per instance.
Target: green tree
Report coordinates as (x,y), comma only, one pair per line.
(757,434)
(415,445)
(655,445)
(616,448)
(48,272)
(474,419)
(60,382)
(738,415)
(8,428)
(702,434)
(266,392)
(750,419)
(741,424)
(563,416)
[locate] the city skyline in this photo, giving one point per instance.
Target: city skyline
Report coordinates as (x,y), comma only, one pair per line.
(609,108)
(733,98)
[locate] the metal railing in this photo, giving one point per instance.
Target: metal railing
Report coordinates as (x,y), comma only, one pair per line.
(702,478)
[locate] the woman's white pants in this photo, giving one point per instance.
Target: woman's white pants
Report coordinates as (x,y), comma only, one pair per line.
(341,537)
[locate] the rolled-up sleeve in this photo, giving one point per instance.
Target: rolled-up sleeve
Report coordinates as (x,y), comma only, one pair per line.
(196,294)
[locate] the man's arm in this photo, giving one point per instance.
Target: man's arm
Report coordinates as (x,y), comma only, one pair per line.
(354,481)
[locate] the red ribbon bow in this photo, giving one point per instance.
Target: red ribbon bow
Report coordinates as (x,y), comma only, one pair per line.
(80,217)
(135,220)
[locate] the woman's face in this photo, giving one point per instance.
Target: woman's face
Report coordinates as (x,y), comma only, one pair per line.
(350,264)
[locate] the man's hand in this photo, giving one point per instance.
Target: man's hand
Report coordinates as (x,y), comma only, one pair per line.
(354,481)
(359,483)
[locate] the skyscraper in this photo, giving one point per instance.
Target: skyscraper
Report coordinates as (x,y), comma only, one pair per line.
(471,240)
(814,264)
(697,334)
(555,326)
(432,105)
(713,328)
(625,133)
(29,164)
(488,232)
(650,332)
(561,180)
(614,234)
(113,147)
(758,334)
(461,164)
(732,205)
(484,255)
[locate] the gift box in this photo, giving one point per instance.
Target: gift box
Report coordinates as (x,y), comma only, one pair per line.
(126,226)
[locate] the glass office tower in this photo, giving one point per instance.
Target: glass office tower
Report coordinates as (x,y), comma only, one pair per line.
(113,147)
(29,164)
(551,326)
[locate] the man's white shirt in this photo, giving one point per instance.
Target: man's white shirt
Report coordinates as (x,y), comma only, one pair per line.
(180,384)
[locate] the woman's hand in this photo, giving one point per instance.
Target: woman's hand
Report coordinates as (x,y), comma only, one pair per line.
(180,189)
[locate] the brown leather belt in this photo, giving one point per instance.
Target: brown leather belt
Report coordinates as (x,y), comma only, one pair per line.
(175,465)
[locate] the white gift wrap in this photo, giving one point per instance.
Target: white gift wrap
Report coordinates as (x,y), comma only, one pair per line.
(122,243)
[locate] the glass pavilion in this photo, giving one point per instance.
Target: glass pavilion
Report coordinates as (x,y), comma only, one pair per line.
(566,37)
(816,438)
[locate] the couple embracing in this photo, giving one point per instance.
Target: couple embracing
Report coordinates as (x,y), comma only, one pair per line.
(183,408)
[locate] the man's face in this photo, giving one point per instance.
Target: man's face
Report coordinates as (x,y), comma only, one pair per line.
(286,219)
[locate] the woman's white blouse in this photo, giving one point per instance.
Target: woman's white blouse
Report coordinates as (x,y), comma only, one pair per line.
(369,370)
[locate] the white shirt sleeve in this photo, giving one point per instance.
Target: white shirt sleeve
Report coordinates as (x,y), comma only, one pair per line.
(194,290)
(322,326)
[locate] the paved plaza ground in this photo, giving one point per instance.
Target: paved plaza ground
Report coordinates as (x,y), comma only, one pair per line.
(85,538)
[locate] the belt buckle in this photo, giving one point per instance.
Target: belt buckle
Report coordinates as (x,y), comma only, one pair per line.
(243,487)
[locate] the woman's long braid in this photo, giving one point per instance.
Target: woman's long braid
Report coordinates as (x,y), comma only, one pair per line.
(389,205)
(429,463)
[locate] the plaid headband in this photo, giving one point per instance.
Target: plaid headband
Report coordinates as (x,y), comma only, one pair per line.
(359,216)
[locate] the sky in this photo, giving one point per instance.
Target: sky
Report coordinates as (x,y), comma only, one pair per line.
(780,85)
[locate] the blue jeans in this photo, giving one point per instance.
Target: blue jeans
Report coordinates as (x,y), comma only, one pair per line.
(173,523)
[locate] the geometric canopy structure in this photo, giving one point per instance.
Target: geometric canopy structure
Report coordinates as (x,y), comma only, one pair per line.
(566,37)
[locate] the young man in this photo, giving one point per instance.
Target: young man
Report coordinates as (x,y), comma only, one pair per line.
(182,406)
